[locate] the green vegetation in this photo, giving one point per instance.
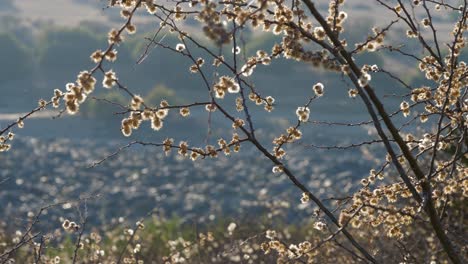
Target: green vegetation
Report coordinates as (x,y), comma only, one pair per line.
(160,92)
(55,55)
(218,241)
(65,50)
(101,107)
(16,59)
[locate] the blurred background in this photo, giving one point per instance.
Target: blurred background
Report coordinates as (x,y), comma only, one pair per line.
(45,44)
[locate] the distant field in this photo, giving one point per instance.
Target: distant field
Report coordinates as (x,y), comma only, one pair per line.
(72,12)
(41,114)
(61,12)
(67,13)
